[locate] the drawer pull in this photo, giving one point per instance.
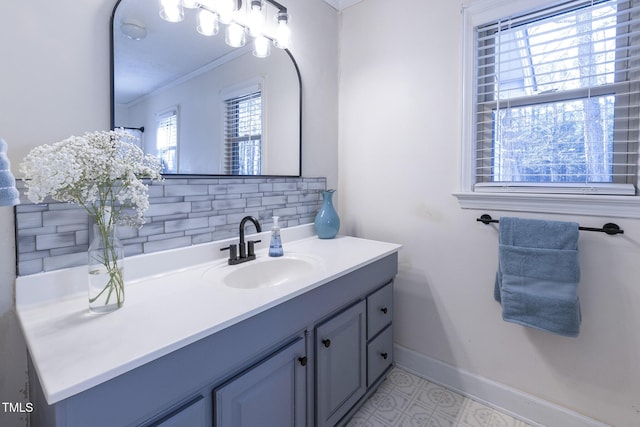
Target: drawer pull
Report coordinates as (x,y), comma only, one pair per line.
(303,360)
(384,355)
(326,342)
(384,310)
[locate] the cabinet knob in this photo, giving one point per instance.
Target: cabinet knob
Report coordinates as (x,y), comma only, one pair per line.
(384,310)
(326,342)
(303,360)
(384,355)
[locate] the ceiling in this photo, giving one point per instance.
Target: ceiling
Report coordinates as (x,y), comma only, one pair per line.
(141,66)
(342,4)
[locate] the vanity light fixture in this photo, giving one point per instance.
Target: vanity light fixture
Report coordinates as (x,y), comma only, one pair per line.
(190,4)
(255,19)
(171,10)
(261,47)
(283,32)
(208,22)
(250,17)
(226,9)
(235,35)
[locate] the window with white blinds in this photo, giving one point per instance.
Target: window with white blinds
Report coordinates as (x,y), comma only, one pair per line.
(243,134)
(167,140)
(557,99)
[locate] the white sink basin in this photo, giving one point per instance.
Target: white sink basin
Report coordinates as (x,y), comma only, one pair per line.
(265,272)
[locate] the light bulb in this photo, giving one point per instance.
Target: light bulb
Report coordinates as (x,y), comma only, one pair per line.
(190,4)
(207,23)
(171,10)
(235,35)
(283,32)
(225,10)
(256,18)
(261,47)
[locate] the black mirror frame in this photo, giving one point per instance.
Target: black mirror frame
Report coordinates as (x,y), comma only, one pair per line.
(112,108)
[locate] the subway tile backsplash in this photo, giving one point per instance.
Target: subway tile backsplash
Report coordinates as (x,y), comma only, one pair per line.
(182,212)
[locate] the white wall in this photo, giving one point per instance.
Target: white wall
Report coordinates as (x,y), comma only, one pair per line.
(398,155)
(54,82)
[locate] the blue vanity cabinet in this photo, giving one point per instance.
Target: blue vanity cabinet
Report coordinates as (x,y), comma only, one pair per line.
(273,393)
(270,369)
(192,414)
(341,363)
(354,349)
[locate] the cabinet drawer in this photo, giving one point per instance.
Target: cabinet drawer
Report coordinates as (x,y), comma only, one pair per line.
(379,355)
(379,310)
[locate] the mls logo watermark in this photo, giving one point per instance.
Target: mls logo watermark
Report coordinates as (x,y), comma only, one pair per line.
(17,407)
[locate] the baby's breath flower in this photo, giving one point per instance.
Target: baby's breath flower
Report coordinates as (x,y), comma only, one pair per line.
(101,171)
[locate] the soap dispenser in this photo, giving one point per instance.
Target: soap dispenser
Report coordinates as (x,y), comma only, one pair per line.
(275,247)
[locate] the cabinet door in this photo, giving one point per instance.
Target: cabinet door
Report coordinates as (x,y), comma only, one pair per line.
(272,393)
(190,415)
(341,364)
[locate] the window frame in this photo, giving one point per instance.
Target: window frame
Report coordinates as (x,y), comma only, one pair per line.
(585,201)
(234,143)
(240,90)
(160,117)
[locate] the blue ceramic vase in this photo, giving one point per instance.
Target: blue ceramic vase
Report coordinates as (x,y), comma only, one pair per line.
(327,221)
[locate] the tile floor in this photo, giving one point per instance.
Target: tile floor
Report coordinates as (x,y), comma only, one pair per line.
(406,400)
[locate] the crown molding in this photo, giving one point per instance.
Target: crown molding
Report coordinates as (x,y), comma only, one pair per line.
(342,4)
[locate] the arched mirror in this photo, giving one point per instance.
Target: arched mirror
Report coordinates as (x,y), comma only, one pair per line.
(203,107)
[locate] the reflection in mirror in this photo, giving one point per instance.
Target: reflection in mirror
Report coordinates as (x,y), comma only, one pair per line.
(202,107)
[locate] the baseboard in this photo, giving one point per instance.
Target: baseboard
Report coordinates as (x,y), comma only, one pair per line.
(520,405)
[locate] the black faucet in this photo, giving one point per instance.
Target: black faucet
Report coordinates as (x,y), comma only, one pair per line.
(247,251)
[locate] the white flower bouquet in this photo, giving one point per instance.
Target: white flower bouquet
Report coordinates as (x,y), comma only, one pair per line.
(96,170)
(103,172)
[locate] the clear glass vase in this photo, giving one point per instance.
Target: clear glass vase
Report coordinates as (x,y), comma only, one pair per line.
(106,270)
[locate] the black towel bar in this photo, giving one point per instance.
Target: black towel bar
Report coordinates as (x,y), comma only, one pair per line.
(609,228)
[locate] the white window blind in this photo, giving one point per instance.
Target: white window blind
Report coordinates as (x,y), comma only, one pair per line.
(167,140)
(558,99)
(243,134)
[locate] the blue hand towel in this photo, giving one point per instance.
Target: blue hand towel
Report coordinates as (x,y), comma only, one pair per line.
(538,274)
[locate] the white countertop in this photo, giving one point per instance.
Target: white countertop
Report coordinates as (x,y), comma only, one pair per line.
(170,303)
